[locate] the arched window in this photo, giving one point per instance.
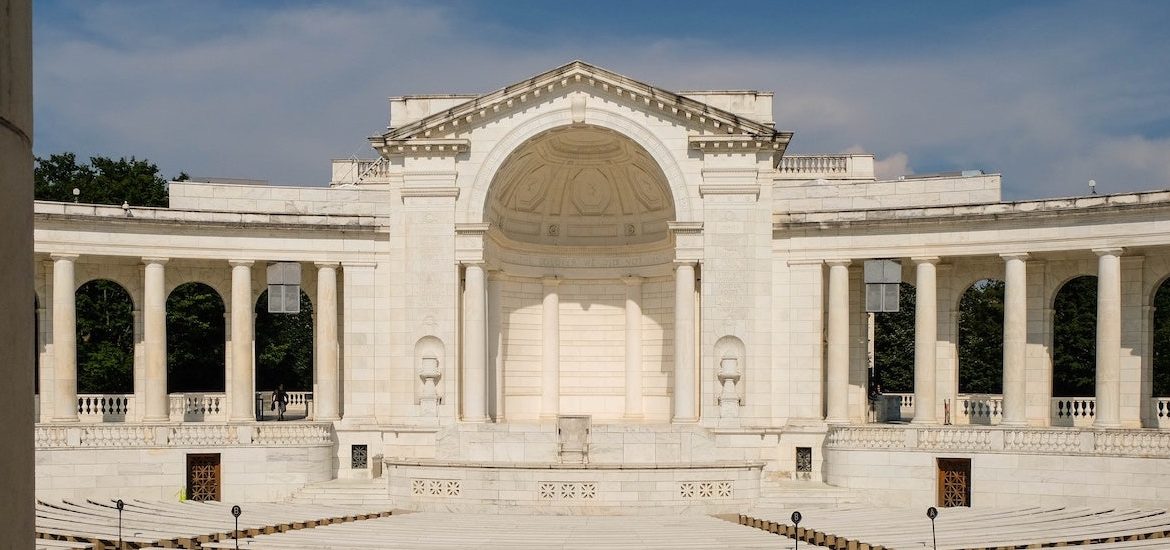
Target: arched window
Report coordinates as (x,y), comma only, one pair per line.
(1074,339)
(105,338)
(981,338)
(195,339)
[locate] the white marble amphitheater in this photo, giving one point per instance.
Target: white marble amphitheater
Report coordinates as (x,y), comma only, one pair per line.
(585,295)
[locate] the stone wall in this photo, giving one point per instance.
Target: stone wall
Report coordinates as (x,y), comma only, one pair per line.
(820,195)
(226,197)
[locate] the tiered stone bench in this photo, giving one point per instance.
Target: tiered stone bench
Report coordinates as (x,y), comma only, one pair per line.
(186,525)
(969,529)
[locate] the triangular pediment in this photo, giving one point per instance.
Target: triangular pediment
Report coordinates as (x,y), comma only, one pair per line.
(712,122)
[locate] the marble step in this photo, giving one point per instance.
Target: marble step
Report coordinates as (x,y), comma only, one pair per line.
(813,494)
(345,491)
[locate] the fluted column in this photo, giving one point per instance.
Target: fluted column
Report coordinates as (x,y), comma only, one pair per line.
(1015,339)
(925,341)
(326,401)
(241,374)
(1108,338)
(550,363)
(837,352)
(684,342)
(64,339)
(633,347)
(154,336)
(474,346)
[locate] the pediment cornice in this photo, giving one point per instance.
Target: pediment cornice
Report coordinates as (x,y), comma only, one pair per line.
(718,127)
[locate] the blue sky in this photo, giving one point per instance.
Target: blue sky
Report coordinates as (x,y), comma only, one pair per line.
(1048,93)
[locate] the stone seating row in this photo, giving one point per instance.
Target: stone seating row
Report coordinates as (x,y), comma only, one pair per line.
(442,531)
(179,524)
(967,528)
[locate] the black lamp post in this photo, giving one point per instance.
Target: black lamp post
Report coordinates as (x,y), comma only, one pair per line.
(932,513)
(236,534)
(796,527)
(119,505)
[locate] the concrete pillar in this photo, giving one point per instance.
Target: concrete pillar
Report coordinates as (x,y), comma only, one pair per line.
(154,331)
(242,397)
(837,352)
(328,388)
(475,345)
(1015,339)
(64,338)
(684,343)
(633,347)
(550,363)
(925,340)
(1108,338)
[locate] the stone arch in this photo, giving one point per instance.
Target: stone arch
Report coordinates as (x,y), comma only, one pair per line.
(1074,307)
(979,330)
(196,338)
(475,209)
(894,344)
(105,337)
(1159,352)
(284,351)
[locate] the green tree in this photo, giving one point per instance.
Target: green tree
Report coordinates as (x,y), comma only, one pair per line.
(981,338)
(195,339)
(102,181)
(894,344)
(1162,341)
(105,338)
(1074,339)
(284,347)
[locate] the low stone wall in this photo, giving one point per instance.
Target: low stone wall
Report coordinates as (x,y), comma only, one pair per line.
(573,489)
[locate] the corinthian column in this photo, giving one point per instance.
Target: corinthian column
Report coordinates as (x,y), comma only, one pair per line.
(684,342)
(64,339)
(1015,339)
(1108,338)
(925,338)
(550,361)
(154,336)
(837,351)
(474,346)
(326,406)
(241,373)
(633,347)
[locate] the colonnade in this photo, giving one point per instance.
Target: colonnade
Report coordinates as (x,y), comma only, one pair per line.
(156,407)
(475,362)
(1108,365)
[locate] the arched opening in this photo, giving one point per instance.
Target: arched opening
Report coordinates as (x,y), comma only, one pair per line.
(195,339)
(578,225)
(893,345)
(1161,337)
(981,338)
(1074,338)
(284,347)
(105,338)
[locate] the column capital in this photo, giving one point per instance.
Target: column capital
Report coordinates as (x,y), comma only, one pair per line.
(632,280)
(685,263)
(838,262)
(925,259)
(474,263)
(241,263)
(324,265)
(1022,256)
(1109,251)
(155,260)
(64,256)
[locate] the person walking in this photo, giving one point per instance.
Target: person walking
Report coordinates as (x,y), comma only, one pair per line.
(280,401)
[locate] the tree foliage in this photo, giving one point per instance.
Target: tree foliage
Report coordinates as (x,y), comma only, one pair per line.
(894,345)
(981,338)
(102,181)
(1074,339)
(195,339)
(105,338)
(1162,341)
(284,347)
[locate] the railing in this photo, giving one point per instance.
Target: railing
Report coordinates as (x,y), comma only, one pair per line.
(813,164)
(197,407)
(981,410)
(299,405)
(1140,443)
(1162,412)
(104,407)
(356,170)
(1078,412)
(905,404)
(182,435)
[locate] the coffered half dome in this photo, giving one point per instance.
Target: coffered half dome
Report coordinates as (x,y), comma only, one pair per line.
(580,185)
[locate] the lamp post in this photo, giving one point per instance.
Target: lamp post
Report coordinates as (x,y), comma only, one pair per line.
(796,529)
(119,505)
(236,534)
(932,513)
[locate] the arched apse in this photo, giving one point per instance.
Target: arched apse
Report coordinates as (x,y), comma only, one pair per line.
(981,338)
(284,347)
(893,345)
(195,339)
(1161,341)
(1074,338)
(105,338)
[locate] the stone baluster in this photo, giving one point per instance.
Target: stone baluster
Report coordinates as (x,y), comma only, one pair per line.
(925,341)
(837,350)
(64,338)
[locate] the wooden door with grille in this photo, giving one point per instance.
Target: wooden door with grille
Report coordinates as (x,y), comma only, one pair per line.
(203,480)
(954,482)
